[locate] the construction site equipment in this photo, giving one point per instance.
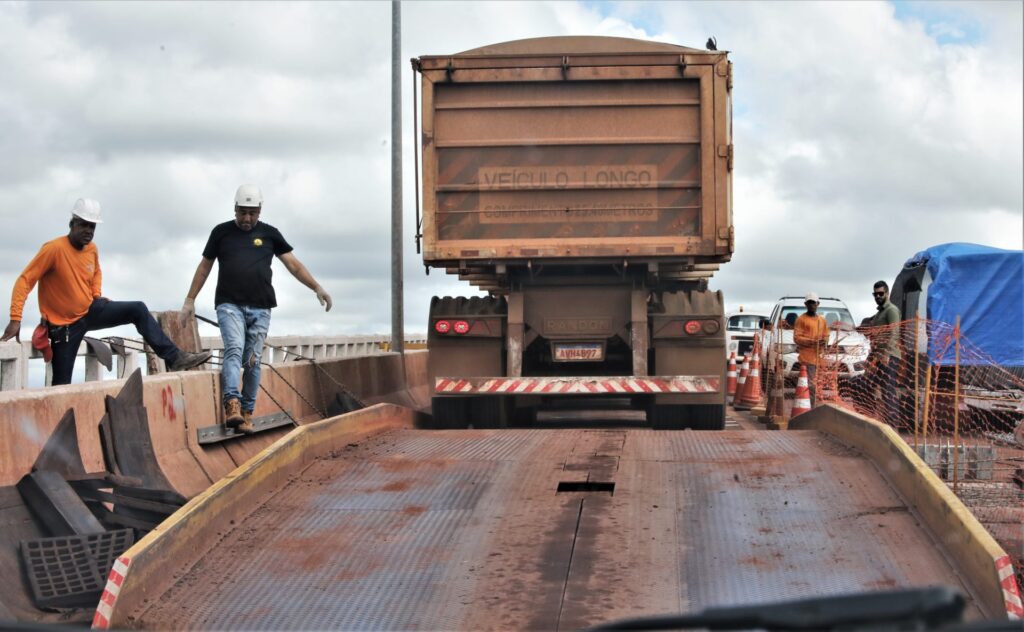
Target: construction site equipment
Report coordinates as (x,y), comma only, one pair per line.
(933,286)
(802,399)
(70,571)
(585,184)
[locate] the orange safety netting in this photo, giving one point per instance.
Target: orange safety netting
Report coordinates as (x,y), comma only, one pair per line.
(958,409)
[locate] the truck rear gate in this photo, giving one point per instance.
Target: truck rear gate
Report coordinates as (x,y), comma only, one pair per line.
(552,529)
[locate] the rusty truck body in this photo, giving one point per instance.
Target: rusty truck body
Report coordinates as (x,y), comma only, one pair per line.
(585,184)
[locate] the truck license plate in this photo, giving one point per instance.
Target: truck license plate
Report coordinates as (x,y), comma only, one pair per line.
(587,352)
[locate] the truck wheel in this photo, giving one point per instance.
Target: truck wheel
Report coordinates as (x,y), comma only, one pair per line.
(449,412)
(682,417)
(666,417)
(706,417)
(488,412)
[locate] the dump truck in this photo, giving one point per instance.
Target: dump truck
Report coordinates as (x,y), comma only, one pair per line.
(584,183)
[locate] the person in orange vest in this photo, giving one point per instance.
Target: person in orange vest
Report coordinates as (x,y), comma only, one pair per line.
(67,270)
(810,333)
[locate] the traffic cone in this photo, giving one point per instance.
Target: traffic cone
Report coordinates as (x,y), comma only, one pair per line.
(731,377)
(741,379)
(751,395)
(802,403)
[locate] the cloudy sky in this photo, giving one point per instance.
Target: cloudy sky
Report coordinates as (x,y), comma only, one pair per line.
(864,132)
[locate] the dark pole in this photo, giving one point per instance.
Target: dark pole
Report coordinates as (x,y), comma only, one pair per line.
(397,305)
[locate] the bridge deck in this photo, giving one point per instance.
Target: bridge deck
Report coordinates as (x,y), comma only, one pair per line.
(415,529)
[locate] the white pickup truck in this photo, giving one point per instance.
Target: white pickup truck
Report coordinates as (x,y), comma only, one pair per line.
(740,328)
(852,346)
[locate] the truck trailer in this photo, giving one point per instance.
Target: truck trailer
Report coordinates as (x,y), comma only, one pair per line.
(584,183)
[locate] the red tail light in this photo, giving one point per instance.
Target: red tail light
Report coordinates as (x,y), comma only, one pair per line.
(692,327)
(461,327)
(442,326)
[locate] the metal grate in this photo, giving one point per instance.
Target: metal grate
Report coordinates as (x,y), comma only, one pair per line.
(71,571)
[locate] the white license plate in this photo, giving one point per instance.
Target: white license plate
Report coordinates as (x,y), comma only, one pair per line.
(591,352)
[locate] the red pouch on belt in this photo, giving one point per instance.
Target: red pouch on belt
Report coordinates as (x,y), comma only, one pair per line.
(41,341)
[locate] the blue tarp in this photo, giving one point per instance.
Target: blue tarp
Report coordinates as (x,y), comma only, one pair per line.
(985,287)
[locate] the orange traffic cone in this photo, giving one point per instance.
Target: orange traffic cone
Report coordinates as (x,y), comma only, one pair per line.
(802,404)
(730,376)
(751,395)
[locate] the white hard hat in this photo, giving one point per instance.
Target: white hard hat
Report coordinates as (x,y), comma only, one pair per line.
(87,209)
(811,296)
(248,195)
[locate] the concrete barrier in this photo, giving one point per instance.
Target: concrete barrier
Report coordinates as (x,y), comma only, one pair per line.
(986,566)
(180,403)
(142,572)
(28,418)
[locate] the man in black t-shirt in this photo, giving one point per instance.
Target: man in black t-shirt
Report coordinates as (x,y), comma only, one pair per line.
(245,248)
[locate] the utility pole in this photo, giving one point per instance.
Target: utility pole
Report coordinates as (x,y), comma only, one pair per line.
(397,303)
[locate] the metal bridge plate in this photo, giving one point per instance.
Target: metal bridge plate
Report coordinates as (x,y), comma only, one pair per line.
(219,432)
(553,529)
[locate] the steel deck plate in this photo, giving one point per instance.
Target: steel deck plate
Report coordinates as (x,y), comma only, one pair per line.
(438,530)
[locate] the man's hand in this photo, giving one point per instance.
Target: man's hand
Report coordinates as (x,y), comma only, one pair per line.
(13,331)
(323,297)
(188,308)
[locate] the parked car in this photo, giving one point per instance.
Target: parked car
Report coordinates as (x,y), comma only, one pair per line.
(740,329)
(853,346)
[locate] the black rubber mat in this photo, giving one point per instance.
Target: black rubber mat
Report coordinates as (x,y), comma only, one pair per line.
(71,571)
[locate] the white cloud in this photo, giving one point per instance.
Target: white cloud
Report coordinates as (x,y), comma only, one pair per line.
(860,138)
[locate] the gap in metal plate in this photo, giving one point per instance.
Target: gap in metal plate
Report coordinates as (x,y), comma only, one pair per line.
(586,486)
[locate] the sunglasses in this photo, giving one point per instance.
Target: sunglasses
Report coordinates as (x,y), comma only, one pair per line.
(878,293)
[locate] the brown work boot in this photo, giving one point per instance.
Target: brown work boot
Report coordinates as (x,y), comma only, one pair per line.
(246,427)
(187,360)
(233,413)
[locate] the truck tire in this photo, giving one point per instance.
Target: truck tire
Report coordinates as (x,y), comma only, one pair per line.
(449,413)
(488,412)
(686,417)
(706,417)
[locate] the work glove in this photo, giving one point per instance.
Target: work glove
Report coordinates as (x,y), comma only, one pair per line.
(323,297)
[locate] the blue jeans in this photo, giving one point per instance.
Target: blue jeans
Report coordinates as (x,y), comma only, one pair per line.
(243,330)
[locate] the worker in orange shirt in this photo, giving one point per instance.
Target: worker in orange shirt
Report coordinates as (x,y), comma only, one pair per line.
(810,333)
(68,272)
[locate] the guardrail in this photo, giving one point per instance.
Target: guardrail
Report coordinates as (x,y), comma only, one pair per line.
(16,358)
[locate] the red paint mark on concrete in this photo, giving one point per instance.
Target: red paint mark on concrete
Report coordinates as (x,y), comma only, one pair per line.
(167,403)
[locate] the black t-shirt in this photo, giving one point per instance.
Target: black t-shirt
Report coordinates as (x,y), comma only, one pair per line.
(244,257)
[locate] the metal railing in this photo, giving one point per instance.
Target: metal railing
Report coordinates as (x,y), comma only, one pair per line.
(17,358)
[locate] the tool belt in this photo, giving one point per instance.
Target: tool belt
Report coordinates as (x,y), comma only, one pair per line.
(58,333)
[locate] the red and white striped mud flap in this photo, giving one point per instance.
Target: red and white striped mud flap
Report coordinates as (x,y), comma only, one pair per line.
(105,608)
(578,385)
(1011,593)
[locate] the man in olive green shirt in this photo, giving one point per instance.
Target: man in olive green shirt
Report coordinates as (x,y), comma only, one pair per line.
(888,315)
(885,351)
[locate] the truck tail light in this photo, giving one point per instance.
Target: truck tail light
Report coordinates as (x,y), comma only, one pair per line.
(711,326)
(692,327)
(461,327)
(442,326)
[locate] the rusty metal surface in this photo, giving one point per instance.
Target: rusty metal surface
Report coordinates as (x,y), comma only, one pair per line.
(466,530)
(602,148)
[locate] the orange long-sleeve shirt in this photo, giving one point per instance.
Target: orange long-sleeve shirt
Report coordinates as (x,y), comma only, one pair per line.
(69,279)
(810,333)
